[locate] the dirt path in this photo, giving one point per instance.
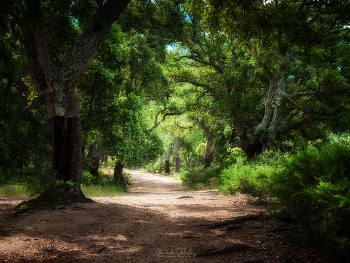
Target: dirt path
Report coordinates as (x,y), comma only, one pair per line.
(157,221)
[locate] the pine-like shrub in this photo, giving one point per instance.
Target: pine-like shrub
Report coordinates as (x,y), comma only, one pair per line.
(251,177)
(315,185)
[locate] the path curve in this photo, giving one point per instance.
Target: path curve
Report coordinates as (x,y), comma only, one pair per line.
(157,221)
(147,183)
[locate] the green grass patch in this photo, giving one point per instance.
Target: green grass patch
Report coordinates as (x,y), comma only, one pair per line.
(19,190)
(99,190)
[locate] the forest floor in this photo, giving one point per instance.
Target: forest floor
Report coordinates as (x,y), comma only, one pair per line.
(158,221)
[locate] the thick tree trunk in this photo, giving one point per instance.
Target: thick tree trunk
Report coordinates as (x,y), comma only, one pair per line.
(118,173)
(66,151)
(59,80)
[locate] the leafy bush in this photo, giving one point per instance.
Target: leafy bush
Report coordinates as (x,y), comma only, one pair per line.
(315,185)
(88,179)
(36,181)
(156,167)
(253,178)
(199,177)
(233,155)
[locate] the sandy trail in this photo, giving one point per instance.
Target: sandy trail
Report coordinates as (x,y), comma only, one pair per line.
(158,221)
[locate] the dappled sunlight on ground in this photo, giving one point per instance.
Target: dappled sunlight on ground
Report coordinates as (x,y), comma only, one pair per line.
(158,221)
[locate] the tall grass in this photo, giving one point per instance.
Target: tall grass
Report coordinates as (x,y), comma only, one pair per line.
(99,190)
(89,190)
(19,190)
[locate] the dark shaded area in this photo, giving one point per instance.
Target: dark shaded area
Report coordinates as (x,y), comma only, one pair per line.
(66,159)
(254,150)
(121,233)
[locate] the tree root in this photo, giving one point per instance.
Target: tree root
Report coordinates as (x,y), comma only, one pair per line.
(235,220)
(215,251)
(232,227)
(54,197)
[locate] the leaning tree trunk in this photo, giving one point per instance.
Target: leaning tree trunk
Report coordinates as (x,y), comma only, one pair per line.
(274,105)
(273,129)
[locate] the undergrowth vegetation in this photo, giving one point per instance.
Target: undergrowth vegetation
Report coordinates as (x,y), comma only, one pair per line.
(199,177)
(313,182)
(103,184)
(32,182)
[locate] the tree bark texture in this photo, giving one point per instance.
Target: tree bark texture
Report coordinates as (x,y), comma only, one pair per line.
(66,150)
(274,105)
(273,129)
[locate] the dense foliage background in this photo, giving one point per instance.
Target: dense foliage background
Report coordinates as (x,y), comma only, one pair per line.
(249,96)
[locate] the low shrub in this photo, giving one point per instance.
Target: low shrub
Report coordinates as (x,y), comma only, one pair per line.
(315,185)
(234,154)
(251,177)
(199,177)
(156,167)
